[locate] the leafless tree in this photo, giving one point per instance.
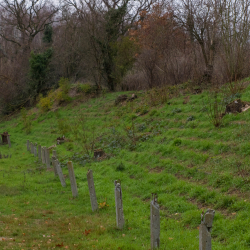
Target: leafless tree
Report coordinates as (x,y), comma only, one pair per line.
(235,34)
(97,15)
(221,28)
(201,19)
(22,20)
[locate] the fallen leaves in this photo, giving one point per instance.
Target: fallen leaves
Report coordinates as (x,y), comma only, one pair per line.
(59,245)
(103,204)
(86,232)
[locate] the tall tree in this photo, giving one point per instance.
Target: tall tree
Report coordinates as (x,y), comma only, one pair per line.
(22,20)
(107,22)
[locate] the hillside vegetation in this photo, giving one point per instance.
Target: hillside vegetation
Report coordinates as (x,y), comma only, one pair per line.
(154,144)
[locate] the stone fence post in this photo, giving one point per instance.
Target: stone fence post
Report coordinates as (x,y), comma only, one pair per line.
(43,155)
(35,149)
(8,139)
(154,222)
(60,173)
(53,160)
(72,179)
(205,239)
(47,157)
(118,204)
(92,193)
(39,152)
(31,148)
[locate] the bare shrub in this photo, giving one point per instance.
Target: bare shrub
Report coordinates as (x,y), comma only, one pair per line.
(134,80)
(215,107)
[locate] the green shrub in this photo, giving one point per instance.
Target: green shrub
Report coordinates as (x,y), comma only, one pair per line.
(45,103)
(64,84)
(85,88)
(62,92)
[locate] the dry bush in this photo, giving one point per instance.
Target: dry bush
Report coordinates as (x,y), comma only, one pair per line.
(134,80)
(215,106)
(13,84)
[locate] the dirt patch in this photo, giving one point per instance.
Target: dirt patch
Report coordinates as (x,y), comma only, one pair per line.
(237,106)
(239,122)
(156,170)
(123,98)
(191,165)
(73,93)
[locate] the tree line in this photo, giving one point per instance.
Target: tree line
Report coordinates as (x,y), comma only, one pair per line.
(119,44)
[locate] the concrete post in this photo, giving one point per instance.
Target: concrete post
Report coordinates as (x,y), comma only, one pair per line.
(92,193)
(43,156)
(8,139)
(53,160)
(54,153)
(72,179)
(47,158)
(154,222)
(60,173)
(28,145)
(205,239)
(39,152)
(31,148)
(35,149)
(118,204)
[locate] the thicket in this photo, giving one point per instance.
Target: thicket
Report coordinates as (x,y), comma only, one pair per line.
(120,45)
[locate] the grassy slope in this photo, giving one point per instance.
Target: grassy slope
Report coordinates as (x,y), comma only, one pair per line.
(190,165)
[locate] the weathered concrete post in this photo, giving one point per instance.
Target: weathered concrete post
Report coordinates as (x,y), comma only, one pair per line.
(154,222)
(35,149)
(31,148)
(72,179)
(43,156)
(28,145)
(54,153)
(205,239)
(92,193)
(118,205)
(53,160)
(47,158)
(60,173)
(8,139)
(39,152)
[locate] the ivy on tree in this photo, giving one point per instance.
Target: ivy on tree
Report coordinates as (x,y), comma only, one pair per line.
(39,63)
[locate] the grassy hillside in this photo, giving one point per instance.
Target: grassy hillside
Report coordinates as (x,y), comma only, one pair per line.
(171,149)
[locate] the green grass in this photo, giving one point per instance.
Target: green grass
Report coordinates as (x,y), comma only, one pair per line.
(172,150)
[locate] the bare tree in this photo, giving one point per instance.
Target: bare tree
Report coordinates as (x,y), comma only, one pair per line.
(22,20)
(106,22)
(201,19)
(235,34)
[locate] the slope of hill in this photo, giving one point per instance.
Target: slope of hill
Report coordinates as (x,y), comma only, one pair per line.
(171,149)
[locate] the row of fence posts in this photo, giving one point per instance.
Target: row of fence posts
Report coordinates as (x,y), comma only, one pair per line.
(43,155)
